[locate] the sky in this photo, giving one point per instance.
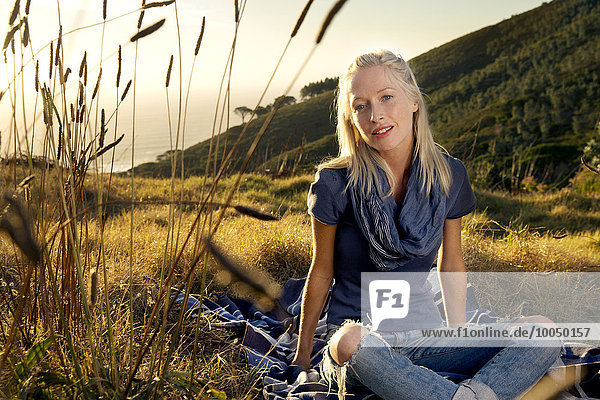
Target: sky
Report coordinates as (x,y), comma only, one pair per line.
(407,28)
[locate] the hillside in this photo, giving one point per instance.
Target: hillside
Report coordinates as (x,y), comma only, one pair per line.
(516,99)
(521,97)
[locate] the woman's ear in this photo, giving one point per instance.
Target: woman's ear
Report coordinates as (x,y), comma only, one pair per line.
(415,107)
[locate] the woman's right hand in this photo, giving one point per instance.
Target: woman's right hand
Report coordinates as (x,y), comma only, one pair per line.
(302,359)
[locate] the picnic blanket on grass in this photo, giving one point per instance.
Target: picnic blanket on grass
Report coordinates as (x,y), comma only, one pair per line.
(269,340)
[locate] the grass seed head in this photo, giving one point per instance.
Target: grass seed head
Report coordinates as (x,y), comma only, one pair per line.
(254,213)
(51,60)
(126,90)
(25,32)
(37,76)
(27,7)
(9,36)
(59,68)
(83,62)
(60,141)
(255,282)
(119,68)
(47,101)
(169,71)
(104,10)
(107,148)
(301,18)
(102,129)
(17,223)
(14,13)
(332,13)
(157,4)
(140,19)
(58,45)
(93,288)
(80,100)
(148,31)
(67,72)
(200,37)
(97,87)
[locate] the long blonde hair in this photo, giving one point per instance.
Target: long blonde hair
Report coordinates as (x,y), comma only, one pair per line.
(361,159)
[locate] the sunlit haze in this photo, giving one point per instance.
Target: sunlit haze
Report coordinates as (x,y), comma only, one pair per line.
(409,28)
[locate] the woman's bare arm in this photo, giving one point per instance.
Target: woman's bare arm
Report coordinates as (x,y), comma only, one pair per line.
(453,276)
(316,289)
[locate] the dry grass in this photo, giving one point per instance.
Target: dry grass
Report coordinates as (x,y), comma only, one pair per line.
(488,246)
(489,243)
(281,249)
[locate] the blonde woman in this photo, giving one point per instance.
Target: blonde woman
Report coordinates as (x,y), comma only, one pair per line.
(388,203)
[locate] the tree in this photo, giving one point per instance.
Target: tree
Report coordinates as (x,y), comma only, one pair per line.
(315,88)
(264,110)
(242,111)
(287,100)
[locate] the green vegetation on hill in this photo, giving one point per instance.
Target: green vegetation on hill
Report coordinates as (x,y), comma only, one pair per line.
(519,98)
(515,100)
(315,88)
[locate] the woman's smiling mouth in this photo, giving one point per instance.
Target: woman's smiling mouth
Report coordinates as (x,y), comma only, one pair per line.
(382,131)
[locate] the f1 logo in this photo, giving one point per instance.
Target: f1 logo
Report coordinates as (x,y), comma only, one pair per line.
(389,300)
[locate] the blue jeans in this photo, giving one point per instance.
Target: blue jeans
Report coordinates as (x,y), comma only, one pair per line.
(401,365)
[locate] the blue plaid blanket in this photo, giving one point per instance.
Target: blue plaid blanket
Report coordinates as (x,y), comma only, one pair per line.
(269,340)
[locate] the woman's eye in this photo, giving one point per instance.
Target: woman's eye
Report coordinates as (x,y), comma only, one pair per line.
(359,107)
(387,97)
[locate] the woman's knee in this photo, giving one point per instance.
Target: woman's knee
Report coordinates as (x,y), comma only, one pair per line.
(345,342)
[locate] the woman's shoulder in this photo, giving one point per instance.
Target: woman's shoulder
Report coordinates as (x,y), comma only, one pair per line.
(461,199)
(458,171)
(456,166)
(336,179)
(327,199)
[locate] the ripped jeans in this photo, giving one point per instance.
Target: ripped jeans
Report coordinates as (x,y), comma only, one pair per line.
(401,365)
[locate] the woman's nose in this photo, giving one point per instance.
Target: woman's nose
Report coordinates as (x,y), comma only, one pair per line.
(376,113)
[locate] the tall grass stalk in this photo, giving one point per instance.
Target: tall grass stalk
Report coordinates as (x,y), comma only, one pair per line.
(180,131)
(99,184)
(132,208)
(158,346)
(24,43)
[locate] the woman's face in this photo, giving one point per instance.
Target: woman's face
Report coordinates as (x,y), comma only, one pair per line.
(381,110)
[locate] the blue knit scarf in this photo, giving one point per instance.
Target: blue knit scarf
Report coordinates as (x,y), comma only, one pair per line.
(416,231)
